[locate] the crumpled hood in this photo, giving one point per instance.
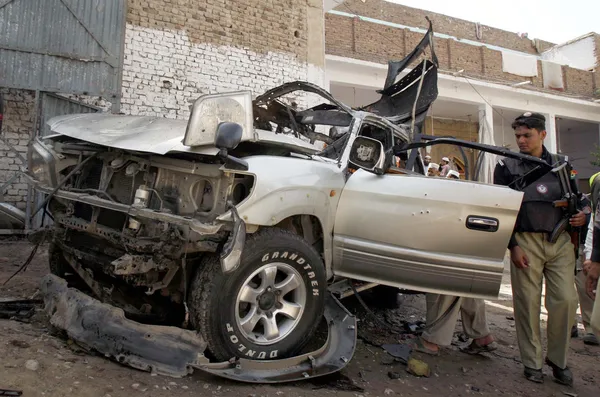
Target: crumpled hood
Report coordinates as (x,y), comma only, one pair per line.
(149,134)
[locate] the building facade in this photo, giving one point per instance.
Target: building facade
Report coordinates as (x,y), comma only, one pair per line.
(486,76)
(177,50)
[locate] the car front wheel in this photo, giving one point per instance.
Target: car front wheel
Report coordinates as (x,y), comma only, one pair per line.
(269,307)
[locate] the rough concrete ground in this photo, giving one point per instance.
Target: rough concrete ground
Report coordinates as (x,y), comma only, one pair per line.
(63,370)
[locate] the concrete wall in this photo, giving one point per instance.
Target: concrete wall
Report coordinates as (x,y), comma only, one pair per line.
(580,54)
(176,51)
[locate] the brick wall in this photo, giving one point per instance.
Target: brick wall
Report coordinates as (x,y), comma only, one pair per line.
(16,128)
(578,81)
(375,42)
(396,13)
(177,50)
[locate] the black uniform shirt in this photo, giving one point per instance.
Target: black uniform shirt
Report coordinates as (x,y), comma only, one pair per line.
(502,176)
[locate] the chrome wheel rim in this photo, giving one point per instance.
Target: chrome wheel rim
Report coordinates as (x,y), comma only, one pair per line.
(270,303)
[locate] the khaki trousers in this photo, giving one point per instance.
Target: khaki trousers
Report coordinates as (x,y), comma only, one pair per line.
(473,318)
(585,302)
(556,263)
(595,319)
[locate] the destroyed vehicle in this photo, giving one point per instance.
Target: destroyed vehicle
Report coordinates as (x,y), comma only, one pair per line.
(227,234)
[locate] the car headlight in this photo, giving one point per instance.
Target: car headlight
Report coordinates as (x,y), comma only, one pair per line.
(41,164)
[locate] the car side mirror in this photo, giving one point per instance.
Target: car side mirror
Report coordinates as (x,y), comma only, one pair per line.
(368,154)
(228,137)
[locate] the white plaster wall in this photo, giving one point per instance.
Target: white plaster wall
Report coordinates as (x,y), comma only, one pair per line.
(579,55)
(164,72)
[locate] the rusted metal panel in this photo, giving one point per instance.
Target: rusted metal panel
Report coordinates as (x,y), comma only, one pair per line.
(70,46)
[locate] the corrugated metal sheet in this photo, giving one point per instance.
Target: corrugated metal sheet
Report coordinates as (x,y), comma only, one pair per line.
(71,46)
(54,105)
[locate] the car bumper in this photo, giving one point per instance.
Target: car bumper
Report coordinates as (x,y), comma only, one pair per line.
(175,352)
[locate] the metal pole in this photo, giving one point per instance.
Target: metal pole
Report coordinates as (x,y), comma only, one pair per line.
(31,198)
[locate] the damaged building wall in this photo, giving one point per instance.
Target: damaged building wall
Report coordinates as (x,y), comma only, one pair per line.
(178,50)
(375,40)
(408,16)
(19,116)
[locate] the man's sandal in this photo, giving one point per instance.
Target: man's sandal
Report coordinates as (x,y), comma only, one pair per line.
(418,346)
(475,348)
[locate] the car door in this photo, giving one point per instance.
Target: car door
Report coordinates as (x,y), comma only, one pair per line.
(428,234)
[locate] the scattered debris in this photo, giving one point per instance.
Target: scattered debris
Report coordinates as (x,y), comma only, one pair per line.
(135,385)
(464,370)
(20,343)
(388,392)
(6,392)
(475,388)
(18,309)
(462,337)
(394,375)
(386,359)
(336,381)
(566,393)
(399,351)
(32,365)
(418,368)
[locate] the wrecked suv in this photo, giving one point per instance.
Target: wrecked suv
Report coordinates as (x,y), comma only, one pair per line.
(230,233)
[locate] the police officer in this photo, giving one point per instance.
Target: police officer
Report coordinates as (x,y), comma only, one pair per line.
(534,258)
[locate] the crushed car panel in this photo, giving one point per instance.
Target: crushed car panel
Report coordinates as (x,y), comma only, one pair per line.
(331,357)
(97,326)
(150,134)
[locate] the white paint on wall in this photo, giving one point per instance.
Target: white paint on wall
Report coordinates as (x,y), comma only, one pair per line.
(164,72)
(579,54)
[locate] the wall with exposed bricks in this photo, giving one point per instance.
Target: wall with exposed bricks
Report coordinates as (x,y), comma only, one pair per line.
(396,13)
(178,50)
(16,129)
(364,40)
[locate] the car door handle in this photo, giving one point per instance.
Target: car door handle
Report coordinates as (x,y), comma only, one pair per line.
(482,223)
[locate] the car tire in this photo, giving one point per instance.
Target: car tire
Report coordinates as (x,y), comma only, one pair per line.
(266,309)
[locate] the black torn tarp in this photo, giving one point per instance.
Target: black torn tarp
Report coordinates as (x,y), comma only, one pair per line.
(398,98)
(396,67)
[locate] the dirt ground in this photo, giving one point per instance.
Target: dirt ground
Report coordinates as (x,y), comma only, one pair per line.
(64,370)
